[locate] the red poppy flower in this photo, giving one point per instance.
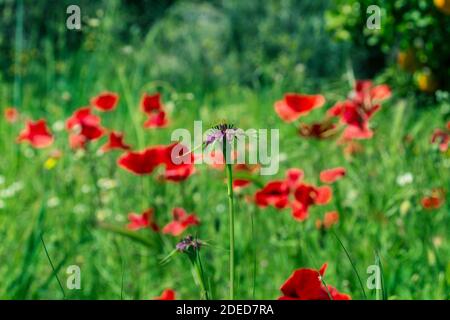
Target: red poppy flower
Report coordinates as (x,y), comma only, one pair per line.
(181,221)
(238,184)
(143,162)
(355,117)
(442,138)
(337,108)
(144,220)
(11,114)
(85,124)
(151,103)
(177,173)
(306,196)
(179,162)
(295,105)
(306,284)
(77,141)
(167,294)
(293,176)
(330,219)
(352,115)
(115,141)
(332,175)
(364,91)
(357,133)
(299,211)
(356,111)
(243,182)
(292,193)
(275,193)
(434,200)
(105,101)
(156,120)
(37,134)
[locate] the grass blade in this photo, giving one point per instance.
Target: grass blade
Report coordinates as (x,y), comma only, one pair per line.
(380,266)
(353,265)
(53,267)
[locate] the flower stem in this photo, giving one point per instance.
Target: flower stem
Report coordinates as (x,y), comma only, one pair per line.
(229,168)
(197,264)
(231,217)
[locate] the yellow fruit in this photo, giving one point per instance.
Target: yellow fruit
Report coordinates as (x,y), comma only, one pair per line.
(426,81)
(443,5)
(407,60)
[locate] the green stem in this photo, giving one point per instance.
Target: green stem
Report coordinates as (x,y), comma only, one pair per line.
(229,168)
(196,262)
(231,217)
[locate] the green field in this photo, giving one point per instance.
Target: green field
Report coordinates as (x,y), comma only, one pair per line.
(78,203)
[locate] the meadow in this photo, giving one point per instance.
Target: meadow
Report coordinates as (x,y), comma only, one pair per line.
(68,203)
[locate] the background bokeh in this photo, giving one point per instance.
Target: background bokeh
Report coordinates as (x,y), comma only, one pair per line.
(211,60)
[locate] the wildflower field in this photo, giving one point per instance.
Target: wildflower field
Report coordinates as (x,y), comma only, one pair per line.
(94,204)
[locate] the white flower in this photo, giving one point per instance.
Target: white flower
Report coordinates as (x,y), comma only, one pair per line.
(404,179)
(58,126)
(53,202)
(11,190)
(107,184)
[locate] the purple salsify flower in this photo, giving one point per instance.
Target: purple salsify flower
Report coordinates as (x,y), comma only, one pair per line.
(187,243)
(223,130)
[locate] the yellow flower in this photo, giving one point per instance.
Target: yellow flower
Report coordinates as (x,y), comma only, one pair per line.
(50,163)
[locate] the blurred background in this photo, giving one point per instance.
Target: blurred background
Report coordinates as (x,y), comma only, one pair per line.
(203,45)
(213,60)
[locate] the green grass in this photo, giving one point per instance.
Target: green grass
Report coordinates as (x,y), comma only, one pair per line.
(375,228)
(369,198)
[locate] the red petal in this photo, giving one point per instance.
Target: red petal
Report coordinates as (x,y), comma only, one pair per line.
(381,92)
(330,219)
(323,268)
(299,211)
(354,132)
(174,228)
(332,175)
(11,114)
(304,284)
(105,101)
(295,105)
(285,112)
(142,162)
(302,103)
(37,134)
(167,294)
(240,183)
(115,141)
(323,195)
(150,103)
(156,120)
